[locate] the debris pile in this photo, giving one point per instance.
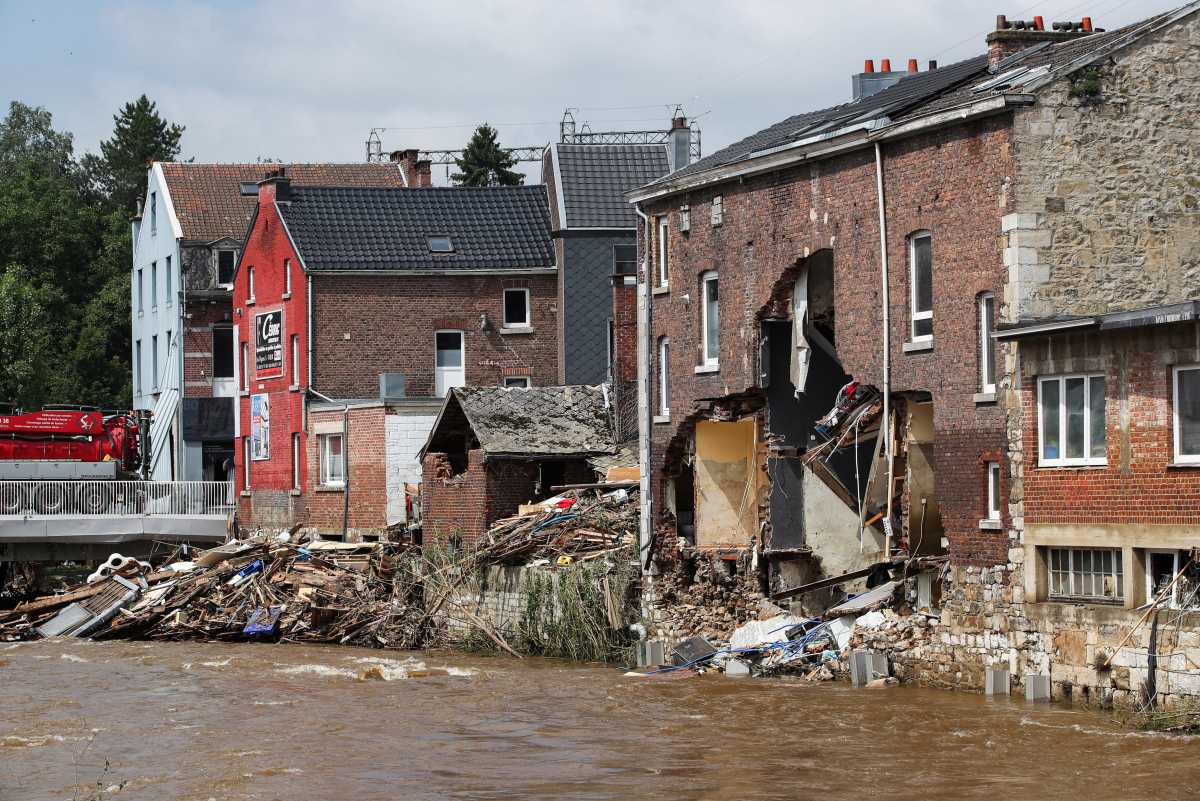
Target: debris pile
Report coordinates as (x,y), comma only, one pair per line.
(572,525)
(703,592)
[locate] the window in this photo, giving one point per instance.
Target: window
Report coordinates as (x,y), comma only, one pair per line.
(153,285)
(153,213)
(1186,402)
(516,308)
(245,463)
(449,364)
(141,303)
(716,214)
(514,381)
(987,348)
(1071,420)
(624,259)
(296,360)
(993,490)
(663,242)
(710,320)
(226,261)
(287,276)
(222,352)
(333,472)
(154,362)
(168,280)
(295,461)
(1162,567)
(664,399)
(440,244)
(245,366)
(137,365)
(920,260)
(250,283)
(1086,573)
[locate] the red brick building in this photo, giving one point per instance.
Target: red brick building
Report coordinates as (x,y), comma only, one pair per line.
(355,311)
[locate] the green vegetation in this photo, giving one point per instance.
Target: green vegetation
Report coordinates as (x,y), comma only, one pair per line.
(1086,86)
(65,254)
(485,163)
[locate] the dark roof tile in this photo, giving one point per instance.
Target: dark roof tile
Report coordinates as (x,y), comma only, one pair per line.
(595,179)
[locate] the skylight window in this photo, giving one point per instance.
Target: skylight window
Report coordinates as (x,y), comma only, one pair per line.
(440,244)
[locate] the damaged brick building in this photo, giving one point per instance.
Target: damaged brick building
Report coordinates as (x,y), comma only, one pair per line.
(822,392)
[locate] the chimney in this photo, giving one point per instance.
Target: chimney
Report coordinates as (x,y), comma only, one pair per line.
(679,151)
(868,82)
(418,172)
(1013,36)
(275,187)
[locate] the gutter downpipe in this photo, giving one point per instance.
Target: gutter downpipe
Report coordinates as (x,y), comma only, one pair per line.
(345,458)
(887,348)
(645,522)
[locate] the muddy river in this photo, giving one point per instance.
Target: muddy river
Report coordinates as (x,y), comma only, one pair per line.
(241,721)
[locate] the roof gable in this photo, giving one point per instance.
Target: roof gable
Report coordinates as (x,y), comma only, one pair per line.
(501,228)
(537,421)
(209,204)
(593,180)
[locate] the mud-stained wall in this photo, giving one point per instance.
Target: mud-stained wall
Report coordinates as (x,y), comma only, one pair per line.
(727,483)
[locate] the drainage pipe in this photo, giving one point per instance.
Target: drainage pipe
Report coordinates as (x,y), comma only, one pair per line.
(886,428)
(645,415)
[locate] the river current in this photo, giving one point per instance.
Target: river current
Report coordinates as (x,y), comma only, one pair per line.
(254,721)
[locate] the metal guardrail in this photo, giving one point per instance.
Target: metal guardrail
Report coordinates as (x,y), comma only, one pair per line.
(114,498)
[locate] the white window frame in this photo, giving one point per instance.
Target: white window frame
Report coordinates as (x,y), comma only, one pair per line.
(706,359)
(517,382)
(914,315)
(153,286)
(664,265)
(249,284)
(664,398)
(296,460)
(140,293)
(993,490)
(138,370)
(528,307)
(295,344)
(441,387)
(327,477)
(287,277)
(246,463)
(987,348)
(1173,602)
(245,366)
(168,283)
(1064,461)
(153,213)
(1076,593)
(154,363)
(1176,430)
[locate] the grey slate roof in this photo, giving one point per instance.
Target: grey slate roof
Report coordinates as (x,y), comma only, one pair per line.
(537,421)
(595,179)
(353,228)
(932,91)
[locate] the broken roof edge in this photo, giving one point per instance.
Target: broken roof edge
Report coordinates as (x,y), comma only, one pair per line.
(837,142)
(437,421)
(1144,317)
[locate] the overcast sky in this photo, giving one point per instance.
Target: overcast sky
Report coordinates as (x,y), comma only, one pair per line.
(307,81)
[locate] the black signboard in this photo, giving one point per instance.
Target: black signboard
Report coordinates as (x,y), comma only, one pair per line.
(268,343)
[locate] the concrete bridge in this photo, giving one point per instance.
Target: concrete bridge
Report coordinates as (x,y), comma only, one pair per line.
(84,520)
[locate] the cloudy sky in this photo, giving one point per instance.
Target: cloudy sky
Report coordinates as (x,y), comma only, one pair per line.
(307,81)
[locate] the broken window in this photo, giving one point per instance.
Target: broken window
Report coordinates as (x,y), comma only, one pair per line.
(1162,568)
(1071,421)
(226,260)
(987,348)
(664,351)
(1086,573)
(710,327)
(920,259)
(663,241)
(516,308)
(1186,403)
(333,472)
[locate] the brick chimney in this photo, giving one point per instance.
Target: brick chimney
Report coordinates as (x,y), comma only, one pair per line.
(417,172)
(275,186)
(1013,36)
(680,150)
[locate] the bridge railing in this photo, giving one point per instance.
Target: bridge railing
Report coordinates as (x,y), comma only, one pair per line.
(114,498)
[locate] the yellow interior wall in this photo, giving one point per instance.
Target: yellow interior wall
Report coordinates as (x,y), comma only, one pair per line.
(727,485)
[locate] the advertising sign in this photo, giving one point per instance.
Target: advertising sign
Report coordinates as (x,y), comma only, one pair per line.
(268,344)
(260,427)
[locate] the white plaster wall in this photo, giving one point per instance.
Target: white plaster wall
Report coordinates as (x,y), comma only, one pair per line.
(404,434)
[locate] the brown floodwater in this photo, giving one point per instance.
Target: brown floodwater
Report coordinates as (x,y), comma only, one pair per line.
(256,721)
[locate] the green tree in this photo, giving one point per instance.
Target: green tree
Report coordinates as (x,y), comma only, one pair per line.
(140,136)
(485,163)
(30,348)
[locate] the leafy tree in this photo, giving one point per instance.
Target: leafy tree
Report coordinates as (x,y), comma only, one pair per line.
(28,141)
(484,163)
(140,136)
(29,339)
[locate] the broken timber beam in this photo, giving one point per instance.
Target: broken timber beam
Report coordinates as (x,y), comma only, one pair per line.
(831,581)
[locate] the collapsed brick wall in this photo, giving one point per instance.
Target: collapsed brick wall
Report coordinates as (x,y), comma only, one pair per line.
(453,505)
(702,592)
